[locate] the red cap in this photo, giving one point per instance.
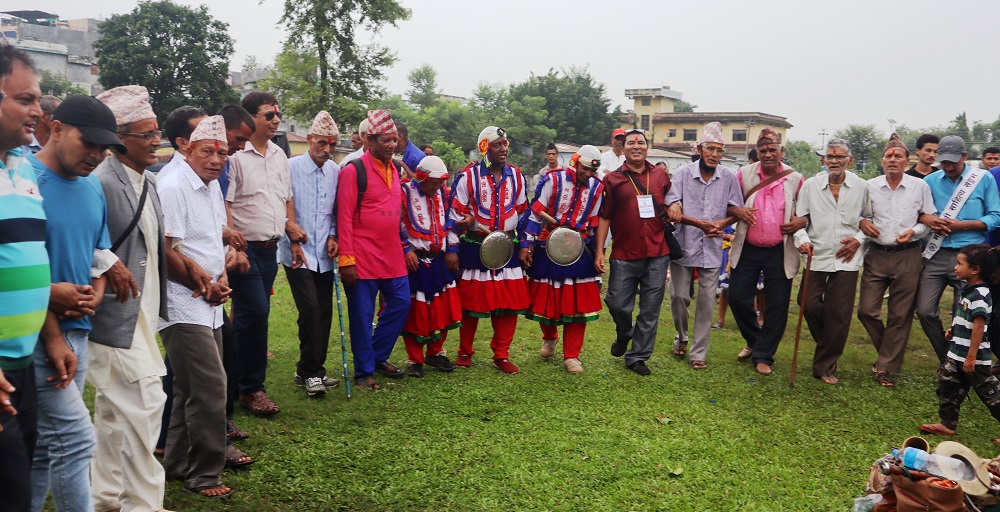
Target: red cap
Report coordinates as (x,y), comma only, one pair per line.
(617,132)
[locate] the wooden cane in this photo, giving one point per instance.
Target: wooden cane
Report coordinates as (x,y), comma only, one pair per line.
(798,329)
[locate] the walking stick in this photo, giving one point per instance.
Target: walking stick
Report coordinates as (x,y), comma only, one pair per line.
(343,342)
(798,329)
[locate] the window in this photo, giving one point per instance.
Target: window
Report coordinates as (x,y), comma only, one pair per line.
(779,138)
(646,102)
(690,135)
(645,122)
(673,132)
(739,135)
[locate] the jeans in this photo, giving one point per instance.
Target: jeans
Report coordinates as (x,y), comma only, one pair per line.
(252,306)
(65,434)
(938,274)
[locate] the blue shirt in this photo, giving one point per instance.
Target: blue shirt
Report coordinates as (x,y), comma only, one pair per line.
(224,179)
(982,205)
(77,224)
(993,238)
(313,191)
(412,156)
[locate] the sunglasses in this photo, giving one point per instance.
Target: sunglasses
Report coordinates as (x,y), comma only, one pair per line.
(155,134)
(272,114)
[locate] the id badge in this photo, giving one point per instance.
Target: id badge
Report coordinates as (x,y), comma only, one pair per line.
(646,210)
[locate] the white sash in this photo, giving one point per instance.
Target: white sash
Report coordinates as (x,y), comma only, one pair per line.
(955,204)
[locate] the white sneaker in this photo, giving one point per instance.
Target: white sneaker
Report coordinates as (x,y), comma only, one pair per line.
(573,365)
(548,348)
(315,387)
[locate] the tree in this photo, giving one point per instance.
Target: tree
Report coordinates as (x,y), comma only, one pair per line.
(423,86)
(54,84)
(683,106)
(525,120)
(960,126)
(346,69)
(577,105)
(801,156)
(294,82)
(250,64)
(180,54)
(867,144)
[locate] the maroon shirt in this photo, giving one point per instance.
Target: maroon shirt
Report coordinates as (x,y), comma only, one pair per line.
(635,237)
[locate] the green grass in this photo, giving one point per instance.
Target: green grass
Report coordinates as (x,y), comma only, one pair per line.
(720,439)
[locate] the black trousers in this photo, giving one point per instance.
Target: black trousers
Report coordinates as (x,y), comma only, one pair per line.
(17,441)
(313,295)
(763,340)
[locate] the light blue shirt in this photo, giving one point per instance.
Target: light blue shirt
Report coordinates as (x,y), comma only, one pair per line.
(314,190)
(983,205)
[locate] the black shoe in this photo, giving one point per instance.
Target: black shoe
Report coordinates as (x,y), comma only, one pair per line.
(618,348)
(415,370)
(440,362)
(640,368)
(389,370)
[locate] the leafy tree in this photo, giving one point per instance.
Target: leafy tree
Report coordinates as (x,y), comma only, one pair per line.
(525,120)
(180,54)
(55,84)
(423,86)
(347,72)
(866,145)
(800,155)
(250,63)
(960,126)
(453,156)
(683,106)
(577,105)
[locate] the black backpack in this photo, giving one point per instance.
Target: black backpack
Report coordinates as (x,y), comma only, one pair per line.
(362,176)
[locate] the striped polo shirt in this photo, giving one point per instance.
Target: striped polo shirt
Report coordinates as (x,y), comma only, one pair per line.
(976,301)
(24,262)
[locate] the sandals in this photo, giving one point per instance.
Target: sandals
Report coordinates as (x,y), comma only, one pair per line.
(884,379)
(235,458)
(389,370)
(697,364)
(366,383)
(937,429)
(235,433)
(679,349)
(828,379)
(225,492)
(259,403)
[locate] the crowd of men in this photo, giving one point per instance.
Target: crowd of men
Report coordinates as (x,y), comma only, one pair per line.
(98,256)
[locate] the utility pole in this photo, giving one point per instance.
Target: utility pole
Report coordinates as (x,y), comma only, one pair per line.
(822,144)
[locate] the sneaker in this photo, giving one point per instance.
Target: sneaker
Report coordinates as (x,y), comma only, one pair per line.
(463,360)
(573,365)
(618,348)
(329,382)
(415,370)
(440,362)
(505,366)
(315,387)
(548,348)
(640,368)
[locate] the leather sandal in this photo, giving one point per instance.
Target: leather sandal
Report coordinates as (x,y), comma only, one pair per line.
(259,403)
(884,379)
(697,364)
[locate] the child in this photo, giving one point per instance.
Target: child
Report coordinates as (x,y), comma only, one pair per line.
(969,356)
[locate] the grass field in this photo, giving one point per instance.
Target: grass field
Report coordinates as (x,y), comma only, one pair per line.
(720,439)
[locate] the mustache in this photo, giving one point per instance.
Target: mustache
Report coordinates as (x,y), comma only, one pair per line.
(324,154)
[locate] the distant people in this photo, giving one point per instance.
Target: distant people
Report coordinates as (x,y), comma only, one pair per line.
(569,295)
(194,217)
(43,125)
(663,165)
(833,202)
(927,152)
(370,255)
(488,195)
(990,158)
(356,142)
(765,245)
(125,361)
(408,152)
(177,128)
(76,237)
(613,158)
(704,199)
(362,147)
(262,209)
(427,149)
(314,186)
(892,261)
(963,219)
(434,302)
(634,210)
(551,164)
(752,156)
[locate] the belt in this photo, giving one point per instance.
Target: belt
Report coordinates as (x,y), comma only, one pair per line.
(427,254)
(895,248)
(951,249)
(266,244)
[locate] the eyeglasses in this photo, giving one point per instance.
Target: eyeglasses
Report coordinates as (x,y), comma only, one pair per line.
(148,136)
(837,158)
(271,115)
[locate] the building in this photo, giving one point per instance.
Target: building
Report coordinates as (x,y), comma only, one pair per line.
(63,48)
(653,112)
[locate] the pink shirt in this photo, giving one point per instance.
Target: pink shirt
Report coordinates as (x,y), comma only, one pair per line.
(770,204)
(371,238)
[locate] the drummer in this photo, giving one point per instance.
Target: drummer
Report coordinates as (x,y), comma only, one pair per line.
(564,291)
(488,196)
(434,305)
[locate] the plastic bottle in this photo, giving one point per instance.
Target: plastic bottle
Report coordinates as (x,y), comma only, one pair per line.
(915,458)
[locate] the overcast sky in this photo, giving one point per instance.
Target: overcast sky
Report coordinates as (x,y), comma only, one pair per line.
(821,65)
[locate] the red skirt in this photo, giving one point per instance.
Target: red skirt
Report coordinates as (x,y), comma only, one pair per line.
(430,317)
(486,292)
(572,300)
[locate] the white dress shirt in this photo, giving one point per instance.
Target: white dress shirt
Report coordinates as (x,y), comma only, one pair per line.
(895,211)
(831,221)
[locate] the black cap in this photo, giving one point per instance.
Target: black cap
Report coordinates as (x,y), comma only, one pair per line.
(94,120)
